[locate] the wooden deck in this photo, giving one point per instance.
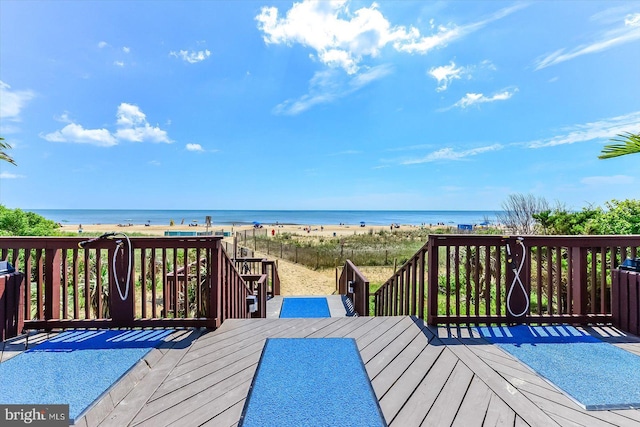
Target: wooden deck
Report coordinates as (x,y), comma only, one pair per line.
(421,376)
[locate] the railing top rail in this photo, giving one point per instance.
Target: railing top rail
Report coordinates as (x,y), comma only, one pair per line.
(355,270)
(534,240)
(64,242)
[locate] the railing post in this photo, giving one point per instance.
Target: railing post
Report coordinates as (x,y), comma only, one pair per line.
(52,266)
(579,279)
(518,300)
(215,281)
(421,266)
(432,284)
(122,311)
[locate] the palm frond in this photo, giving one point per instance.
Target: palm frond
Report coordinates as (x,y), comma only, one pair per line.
(627,143)
(3,155)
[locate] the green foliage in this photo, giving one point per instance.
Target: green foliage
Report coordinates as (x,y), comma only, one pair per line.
(563,222)
(16,222)
(626,143)
(621,217)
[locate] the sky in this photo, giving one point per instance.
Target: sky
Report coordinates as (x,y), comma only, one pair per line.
(393,105)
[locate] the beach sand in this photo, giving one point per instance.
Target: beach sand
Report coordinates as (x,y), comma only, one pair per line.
(326,230)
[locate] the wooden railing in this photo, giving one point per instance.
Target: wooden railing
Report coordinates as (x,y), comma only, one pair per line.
(173,281)
(355,286)
(462,279)
(258,266)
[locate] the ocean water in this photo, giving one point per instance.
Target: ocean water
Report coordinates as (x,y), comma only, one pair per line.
(241,217)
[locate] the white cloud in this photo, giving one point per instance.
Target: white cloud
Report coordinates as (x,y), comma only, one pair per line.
(77,134)
(342,38)
(478,98)
(103,44)
(445,74)
(625,33)
(191,57)
(601,129)
(144,133)
(194,147)
(126,49)
(12,102)
(7,175)
(135,128)
(608,181)
(130,115)
(451,154)
(118,64)
(328,85)
(632,20)
(132,126)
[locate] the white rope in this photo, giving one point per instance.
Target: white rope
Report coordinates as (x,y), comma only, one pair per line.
(516,278)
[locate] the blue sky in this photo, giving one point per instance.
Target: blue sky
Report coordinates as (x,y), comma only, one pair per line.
(316,105)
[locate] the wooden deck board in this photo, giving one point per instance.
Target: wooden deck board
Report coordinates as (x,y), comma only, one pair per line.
(421,376)
(473,409)
(450,398)
(414,408)
(498,413)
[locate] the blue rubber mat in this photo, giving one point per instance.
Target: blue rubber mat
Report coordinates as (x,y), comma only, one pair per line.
(315,382)
(74,367)
(304,307)
(596,374)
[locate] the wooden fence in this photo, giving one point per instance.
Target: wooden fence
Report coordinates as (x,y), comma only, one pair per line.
(172,281)
(466,279)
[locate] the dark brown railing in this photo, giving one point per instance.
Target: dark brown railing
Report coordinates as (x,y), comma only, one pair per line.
(461,279)
(174,281)
(355,286)
(258,266)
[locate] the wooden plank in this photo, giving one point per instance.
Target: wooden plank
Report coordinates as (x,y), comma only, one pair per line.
(215,399)
(383,381)
(554,408)
(416,401)
(227,418)
(505,390)
(225,361)
(386,338)
(376,363)
(348,328)
(127,408)
(498,413)
(410,379)
(446,406)
(474,406)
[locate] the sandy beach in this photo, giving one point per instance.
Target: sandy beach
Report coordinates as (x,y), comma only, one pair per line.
(324,230)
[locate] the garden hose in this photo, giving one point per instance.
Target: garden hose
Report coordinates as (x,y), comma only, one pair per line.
(119,246)
(516,278)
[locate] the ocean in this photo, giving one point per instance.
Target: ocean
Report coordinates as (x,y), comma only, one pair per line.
(241,217)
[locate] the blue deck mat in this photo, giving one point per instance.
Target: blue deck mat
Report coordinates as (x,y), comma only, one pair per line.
(304,307)
(316,382)
(74,367)
(596,374)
